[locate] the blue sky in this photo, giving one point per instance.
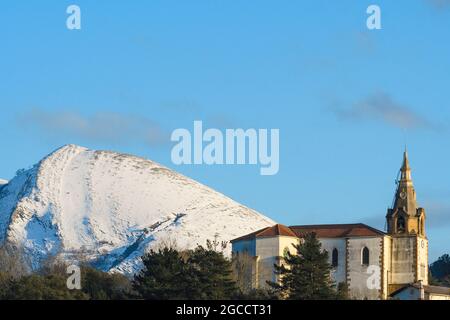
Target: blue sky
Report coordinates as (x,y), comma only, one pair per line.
(346,99)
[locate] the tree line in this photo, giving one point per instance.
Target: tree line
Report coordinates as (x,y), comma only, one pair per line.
(203,273)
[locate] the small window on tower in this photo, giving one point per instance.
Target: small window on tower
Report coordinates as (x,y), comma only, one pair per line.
(365,256)
(401,224)
(334,258)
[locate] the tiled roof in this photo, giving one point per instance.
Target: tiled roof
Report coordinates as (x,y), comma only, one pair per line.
(322,231)
(337,230)
(276,230)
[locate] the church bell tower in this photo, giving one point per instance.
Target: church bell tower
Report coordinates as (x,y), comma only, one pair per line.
(406,227)
(405,217)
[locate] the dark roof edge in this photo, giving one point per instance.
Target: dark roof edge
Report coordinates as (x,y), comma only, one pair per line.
(255,234)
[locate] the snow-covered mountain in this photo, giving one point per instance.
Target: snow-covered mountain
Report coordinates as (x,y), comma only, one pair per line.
(113,207)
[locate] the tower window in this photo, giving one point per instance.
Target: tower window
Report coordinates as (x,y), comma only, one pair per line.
(365,256)
(334,258)
(401,224)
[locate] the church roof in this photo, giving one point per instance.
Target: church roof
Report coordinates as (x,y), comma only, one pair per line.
(337,230)
(322,231)
(276,230)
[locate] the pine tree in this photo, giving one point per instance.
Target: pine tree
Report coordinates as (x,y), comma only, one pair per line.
(194,275)
(165,276)
(213,273)
(306,274)
(101,285)
(342,291)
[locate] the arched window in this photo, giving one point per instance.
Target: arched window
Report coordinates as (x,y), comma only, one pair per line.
(401,224)
(334,258)
(365,256)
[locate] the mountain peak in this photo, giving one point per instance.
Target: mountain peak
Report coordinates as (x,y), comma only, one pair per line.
(113,207)
(70,148)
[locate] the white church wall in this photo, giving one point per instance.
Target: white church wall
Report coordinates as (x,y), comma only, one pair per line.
(267,249)
(328,244)
(287,243)
(393,261)
(363,280)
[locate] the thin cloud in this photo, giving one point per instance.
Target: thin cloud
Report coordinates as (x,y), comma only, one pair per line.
(439,4)
(381,107)
(99,127)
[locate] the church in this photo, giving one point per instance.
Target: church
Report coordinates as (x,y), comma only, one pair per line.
(374,264)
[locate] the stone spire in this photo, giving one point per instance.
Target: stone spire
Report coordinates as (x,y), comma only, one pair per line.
(405,197)
(405,217)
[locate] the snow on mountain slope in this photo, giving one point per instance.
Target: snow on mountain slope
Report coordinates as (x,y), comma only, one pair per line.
(113,207)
